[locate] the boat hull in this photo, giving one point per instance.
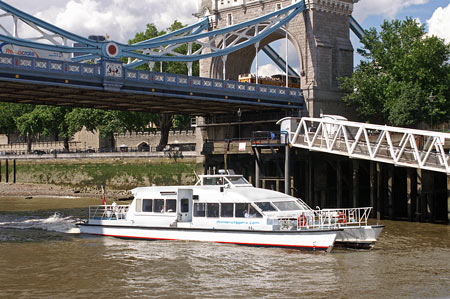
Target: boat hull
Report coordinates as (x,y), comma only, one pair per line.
(320,240)
(363,237)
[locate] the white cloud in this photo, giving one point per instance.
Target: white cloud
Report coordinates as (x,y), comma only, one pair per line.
(439,23)
(268,70)
(120,19)
(387,8)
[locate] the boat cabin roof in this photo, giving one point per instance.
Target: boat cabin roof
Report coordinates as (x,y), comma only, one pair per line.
(220,189)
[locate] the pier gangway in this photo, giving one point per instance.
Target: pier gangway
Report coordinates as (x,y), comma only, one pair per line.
(414,148)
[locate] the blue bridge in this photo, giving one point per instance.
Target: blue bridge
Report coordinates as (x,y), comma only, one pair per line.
(108,85)
(93,74)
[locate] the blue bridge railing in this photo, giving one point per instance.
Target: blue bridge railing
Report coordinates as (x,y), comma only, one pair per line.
(113,76)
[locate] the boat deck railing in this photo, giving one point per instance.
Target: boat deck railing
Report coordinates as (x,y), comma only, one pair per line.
(344,217)
(108,212)
(325,219)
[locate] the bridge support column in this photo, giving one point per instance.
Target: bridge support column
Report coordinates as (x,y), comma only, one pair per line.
(310,182)
(431,211)
(379,191)
(411,191)
(0,171)
(14,171)
(307,181)
(224,61)
(372,188)
(355,178)
(448,198)
(257,169)
(287,170)
(6,171)
(390,190)
(338,184)
(419,198)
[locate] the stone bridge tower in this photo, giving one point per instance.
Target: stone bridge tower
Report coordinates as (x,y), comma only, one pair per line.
(320,35)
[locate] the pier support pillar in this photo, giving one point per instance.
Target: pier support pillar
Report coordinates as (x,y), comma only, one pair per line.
(14,171)
(419,199)
(390,190)
(311,182)
(372,188)
(6,171)
(339,184)
(355,178)
(411,191)
(306,181)
(431,211)
(379,191)
(0,171)
(287,170)
(257,168)
(448,198)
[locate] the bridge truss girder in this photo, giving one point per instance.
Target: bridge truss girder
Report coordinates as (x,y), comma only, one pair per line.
(201,44)
(399,146)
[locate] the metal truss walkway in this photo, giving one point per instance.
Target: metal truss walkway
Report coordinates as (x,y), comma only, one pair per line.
(399,146)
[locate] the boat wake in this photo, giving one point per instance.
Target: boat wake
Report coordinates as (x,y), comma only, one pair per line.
(54,223)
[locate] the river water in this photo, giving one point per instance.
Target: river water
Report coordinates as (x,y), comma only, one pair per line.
(43,255)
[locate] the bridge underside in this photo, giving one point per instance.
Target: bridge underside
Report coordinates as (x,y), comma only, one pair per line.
(109,86)
(159,102)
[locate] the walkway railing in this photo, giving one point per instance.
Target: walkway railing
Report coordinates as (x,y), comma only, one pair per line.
(399,146)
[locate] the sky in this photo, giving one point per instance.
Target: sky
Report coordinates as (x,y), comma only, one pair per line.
(121,19)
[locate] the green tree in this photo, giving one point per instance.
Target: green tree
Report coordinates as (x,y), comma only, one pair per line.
(107,122)
(401,67)
(167,121)
(34,122)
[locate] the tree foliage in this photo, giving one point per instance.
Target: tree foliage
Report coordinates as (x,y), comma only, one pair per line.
(401,67)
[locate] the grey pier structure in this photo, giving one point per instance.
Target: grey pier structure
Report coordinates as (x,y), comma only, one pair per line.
(251,143)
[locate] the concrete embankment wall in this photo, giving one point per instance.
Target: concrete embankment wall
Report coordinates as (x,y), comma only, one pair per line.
(115,173)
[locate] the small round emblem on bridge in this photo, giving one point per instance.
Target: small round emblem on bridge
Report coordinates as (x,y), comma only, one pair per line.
(112,49)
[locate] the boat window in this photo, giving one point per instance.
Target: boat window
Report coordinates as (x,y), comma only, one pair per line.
(199,210)
(253,213)
(184,205)
(237,180)
(212,181)
(241,210)
(226,210)
(212,210)
(265,206)
(158,206)
(171,205)
(138,205)
(147,205)
(286,205)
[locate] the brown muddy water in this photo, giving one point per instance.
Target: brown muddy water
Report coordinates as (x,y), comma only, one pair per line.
(42,255)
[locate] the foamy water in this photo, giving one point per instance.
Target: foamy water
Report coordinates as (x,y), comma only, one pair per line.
(54,223)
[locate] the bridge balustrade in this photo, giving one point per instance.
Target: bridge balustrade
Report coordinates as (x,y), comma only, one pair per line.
(101,75)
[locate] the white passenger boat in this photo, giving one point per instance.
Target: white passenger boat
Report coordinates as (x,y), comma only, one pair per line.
(219,208)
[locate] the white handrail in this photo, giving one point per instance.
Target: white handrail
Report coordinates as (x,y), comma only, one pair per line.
(394,145)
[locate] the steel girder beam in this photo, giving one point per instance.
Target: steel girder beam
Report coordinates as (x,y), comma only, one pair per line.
(214,43)
(399,146)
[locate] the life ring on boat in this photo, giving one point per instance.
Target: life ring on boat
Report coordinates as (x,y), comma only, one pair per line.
(341,217)
(301,220)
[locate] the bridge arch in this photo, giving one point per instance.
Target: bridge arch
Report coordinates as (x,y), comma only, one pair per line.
(320,35)
(241,61)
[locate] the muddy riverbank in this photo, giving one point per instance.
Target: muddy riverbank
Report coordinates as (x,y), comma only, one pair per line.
(42,190)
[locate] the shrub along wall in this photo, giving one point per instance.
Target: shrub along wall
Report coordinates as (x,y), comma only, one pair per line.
(113,173)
